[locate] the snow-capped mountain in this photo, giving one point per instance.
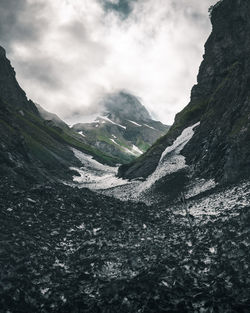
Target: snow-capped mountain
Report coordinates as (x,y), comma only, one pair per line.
(125,130)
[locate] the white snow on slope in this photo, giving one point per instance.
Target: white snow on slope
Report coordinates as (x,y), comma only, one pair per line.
(180,142)
(110,121)
(128,151)
(81,133)
(94,175)
(137,150)
(113,140)
(149,126)
(134,123)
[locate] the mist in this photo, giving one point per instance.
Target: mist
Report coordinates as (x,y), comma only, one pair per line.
(69,54)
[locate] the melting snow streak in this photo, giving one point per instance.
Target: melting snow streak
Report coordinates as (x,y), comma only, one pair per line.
(171,160)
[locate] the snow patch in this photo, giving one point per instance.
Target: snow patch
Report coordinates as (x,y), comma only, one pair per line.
(137,150)
(134,123)
(150,126)
(128,151)
(171,160)
(81,133)
(114,141)
(94,175)
(110,121)
(134,151)
(180,142)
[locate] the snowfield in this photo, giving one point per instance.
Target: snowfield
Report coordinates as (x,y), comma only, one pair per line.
(133,122)
(81,133)
(135,150)
(110,121)
(94,175)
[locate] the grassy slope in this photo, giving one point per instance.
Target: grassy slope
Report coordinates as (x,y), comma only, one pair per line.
(53,137)
(28,142)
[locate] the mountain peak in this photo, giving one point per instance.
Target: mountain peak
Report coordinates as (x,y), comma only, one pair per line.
(124,105)
(126,130)
(10,91)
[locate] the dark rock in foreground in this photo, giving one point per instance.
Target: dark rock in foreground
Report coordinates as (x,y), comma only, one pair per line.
(70,250)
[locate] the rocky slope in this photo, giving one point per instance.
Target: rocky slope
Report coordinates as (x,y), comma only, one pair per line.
(51,117)
(70,250)
(220,147)
(33,148)
(126,130)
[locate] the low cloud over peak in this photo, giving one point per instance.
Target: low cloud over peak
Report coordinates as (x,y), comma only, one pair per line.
(69,54)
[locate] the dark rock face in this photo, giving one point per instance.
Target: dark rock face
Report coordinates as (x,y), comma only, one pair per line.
(125,131)
(224,79)
(220,147)
(10,90)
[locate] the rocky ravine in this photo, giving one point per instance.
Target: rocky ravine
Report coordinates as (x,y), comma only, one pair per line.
(66,249)
(220,148)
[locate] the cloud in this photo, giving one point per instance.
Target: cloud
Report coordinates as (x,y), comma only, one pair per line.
(17,21)
(69,54)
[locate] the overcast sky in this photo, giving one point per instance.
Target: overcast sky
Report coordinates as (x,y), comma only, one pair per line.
(69,53)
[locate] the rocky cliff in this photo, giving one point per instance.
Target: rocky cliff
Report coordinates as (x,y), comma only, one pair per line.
(220,147)
(10,91)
